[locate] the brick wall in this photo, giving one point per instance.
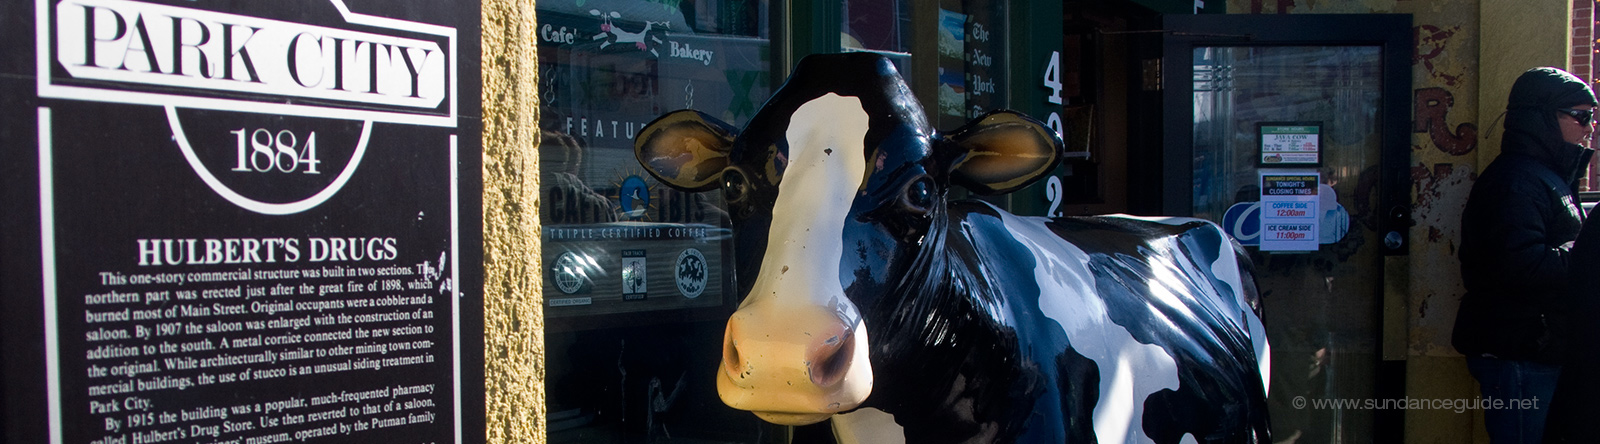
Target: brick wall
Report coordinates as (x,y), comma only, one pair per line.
(1583,38)
(1583,65)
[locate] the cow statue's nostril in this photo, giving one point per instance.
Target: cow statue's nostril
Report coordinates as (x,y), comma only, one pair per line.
(732,363)
(831,359)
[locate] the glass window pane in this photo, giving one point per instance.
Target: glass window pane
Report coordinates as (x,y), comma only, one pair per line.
(1320,307)
(637,275)
(967,50)
(877,25)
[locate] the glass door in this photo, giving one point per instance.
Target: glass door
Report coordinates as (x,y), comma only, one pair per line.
(1321,303)
(1257,108)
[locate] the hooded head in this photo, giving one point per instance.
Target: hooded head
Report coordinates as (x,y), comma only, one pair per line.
(1531,125)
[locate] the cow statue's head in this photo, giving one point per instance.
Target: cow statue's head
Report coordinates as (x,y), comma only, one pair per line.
(832,188)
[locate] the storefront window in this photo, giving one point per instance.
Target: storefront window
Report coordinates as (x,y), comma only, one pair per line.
(953,57)
(637,276)
(877,26)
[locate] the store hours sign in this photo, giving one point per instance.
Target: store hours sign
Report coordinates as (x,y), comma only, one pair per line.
(251,220)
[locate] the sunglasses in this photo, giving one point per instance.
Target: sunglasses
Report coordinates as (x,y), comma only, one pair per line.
(1584,116)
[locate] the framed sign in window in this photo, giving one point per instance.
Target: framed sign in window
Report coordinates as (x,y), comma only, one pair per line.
(1289,144)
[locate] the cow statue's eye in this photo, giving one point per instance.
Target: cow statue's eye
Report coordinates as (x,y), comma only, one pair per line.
(734,186)
(919,195)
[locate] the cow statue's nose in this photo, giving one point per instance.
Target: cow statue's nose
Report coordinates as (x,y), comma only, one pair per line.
(794,365)
(825,356)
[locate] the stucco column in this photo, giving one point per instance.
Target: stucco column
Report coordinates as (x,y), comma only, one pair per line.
(513,321)
(1516,35)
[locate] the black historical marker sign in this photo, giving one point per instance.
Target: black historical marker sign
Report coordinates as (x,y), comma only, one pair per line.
(241,222)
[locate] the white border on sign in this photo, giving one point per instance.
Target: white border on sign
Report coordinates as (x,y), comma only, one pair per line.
(47,257)
(43,25)
(46,89)
(455,276)
(52,341)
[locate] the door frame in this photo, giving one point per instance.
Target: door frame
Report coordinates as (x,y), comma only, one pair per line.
(1171,182)
(1161,167)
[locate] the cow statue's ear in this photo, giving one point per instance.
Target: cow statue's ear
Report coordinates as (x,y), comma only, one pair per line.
(685,149)
(1003,151)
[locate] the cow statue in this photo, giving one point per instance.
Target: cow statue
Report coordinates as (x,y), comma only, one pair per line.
(870,299)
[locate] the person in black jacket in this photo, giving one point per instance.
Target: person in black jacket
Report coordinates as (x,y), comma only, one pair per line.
(1575,406)
(1516,234)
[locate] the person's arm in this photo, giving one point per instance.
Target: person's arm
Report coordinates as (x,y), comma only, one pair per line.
(1584,262)
(1515,238)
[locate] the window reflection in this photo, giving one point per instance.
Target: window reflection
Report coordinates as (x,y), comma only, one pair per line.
(636,275)
(1320,305)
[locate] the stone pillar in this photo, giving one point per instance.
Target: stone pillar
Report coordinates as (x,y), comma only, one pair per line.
(513,321)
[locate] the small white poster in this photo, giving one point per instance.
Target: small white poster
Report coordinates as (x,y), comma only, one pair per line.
(1289,213)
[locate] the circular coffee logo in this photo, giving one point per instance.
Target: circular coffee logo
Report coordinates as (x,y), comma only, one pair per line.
(691,273)
(569,275)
